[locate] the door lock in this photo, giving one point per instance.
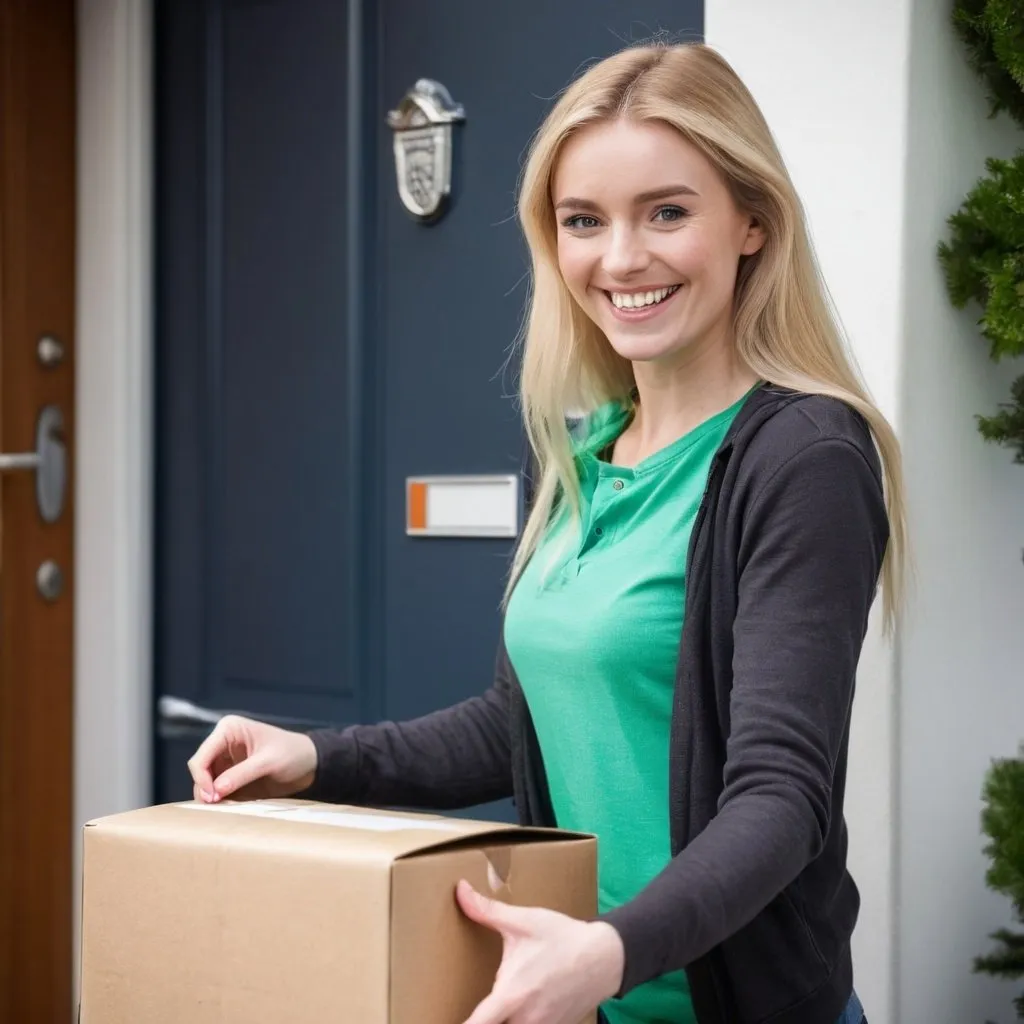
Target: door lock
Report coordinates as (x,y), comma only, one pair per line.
(50,580)
(49,351)
(49,460)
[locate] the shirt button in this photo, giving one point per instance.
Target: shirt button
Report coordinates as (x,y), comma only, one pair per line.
(618,485)
(598,531)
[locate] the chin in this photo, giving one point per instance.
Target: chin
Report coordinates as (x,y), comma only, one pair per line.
(645,350)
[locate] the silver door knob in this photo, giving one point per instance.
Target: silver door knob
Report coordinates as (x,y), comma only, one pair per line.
(49,460)
(50,580)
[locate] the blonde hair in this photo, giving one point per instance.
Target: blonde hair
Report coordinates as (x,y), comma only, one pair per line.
(785,328)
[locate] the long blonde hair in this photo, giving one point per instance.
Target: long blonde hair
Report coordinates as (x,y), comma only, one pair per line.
(785,328)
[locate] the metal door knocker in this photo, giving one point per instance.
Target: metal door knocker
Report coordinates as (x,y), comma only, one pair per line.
(422,124)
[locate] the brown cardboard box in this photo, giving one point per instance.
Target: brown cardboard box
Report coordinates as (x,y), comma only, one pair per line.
(282,911)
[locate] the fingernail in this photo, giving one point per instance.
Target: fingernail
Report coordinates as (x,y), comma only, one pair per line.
(206,794)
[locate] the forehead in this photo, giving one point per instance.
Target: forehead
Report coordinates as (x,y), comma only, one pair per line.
(624,156)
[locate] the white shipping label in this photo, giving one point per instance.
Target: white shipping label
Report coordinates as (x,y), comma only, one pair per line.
(339,819)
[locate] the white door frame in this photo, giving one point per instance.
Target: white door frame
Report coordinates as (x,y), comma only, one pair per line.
(114,399)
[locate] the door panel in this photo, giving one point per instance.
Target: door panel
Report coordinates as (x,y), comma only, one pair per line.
(276,556)
(37,299)
(317,346)
(251,357)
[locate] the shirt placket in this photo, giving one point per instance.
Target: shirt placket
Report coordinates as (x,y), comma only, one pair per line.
(602,520)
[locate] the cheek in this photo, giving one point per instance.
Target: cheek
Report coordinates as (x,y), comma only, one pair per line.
(575,263)
(691,254)
(701,258)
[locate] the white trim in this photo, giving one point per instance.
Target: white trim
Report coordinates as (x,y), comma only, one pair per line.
(113,543)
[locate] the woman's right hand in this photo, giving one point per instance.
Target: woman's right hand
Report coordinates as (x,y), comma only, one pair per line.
(250,760)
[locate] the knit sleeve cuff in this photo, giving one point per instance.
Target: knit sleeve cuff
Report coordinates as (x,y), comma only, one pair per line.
(337,761)
(641,960)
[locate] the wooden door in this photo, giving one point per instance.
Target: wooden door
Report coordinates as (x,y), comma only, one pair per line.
(37,277)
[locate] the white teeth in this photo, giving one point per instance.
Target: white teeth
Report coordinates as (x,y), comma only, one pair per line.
(637,300)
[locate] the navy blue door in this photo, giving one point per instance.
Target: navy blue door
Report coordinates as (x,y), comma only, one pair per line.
(316,346)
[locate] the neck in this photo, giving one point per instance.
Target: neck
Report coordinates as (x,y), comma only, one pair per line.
(673,399)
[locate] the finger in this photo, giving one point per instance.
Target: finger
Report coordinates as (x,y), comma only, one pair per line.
(214,746)
(241,774)
(495,1009)
(491,913)
(222,762)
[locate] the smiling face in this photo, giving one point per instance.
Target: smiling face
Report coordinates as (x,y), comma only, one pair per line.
(649,239)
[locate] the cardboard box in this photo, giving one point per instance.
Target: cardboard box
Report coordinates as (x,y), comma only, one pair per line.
(282,911)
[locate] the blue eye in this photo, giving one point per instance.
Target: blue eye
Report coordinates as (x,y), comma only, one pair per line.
(670,214)
(580,221)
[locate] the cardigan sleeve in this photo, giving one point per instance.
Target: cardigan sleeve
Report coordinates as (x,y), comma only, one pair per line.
(455,757)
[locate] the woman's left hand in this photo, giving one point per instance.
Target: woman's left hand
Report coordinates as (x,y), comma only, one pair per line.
(554,969)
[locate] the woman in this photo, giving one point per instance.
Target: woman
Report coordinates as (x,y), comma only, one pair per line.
(689,598)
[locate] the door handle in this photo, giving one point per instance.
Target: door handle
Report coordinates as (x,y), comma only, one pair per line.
(49,461)
(179,717)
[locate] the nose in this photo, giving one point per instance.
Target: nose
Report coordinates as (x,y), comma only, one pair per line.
(626,254)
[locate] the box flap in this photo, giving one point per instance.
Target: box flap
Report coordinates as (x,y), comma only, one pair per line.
(377,834)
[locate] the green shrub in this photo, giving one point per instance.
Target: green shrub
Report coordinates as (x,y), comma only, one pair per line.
(1002,821)
(983,259)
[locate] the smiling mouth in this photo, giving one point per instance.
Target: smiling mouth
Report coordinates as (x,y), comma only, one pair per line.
(641,300)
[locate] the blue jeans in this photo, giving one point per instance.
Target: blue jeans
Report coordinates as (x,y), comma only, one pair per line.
(853,1014)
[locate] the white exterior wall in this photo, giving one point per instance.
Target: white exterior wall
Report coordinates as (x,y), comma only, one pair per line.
(882,126)
(962,681)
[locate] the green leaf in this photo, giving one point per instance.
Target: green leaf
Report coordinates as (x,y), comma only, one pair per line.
(990,31)
(1006,427)
(983,263)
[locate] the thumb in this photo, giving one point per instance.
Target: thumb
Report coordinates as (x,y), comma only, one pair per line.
(501,917)
(239,775)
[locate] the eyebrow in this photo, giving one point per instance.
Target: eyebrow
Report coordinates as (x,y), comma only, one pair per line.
(571,202)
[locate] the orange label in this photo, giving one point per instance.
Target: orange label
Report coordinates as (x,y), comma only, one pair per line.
(417,511)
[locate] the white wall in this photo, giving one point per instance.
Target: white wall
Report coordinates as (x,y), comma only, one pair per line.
(962,684)
(831,81)
(883,127)
(112,491)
